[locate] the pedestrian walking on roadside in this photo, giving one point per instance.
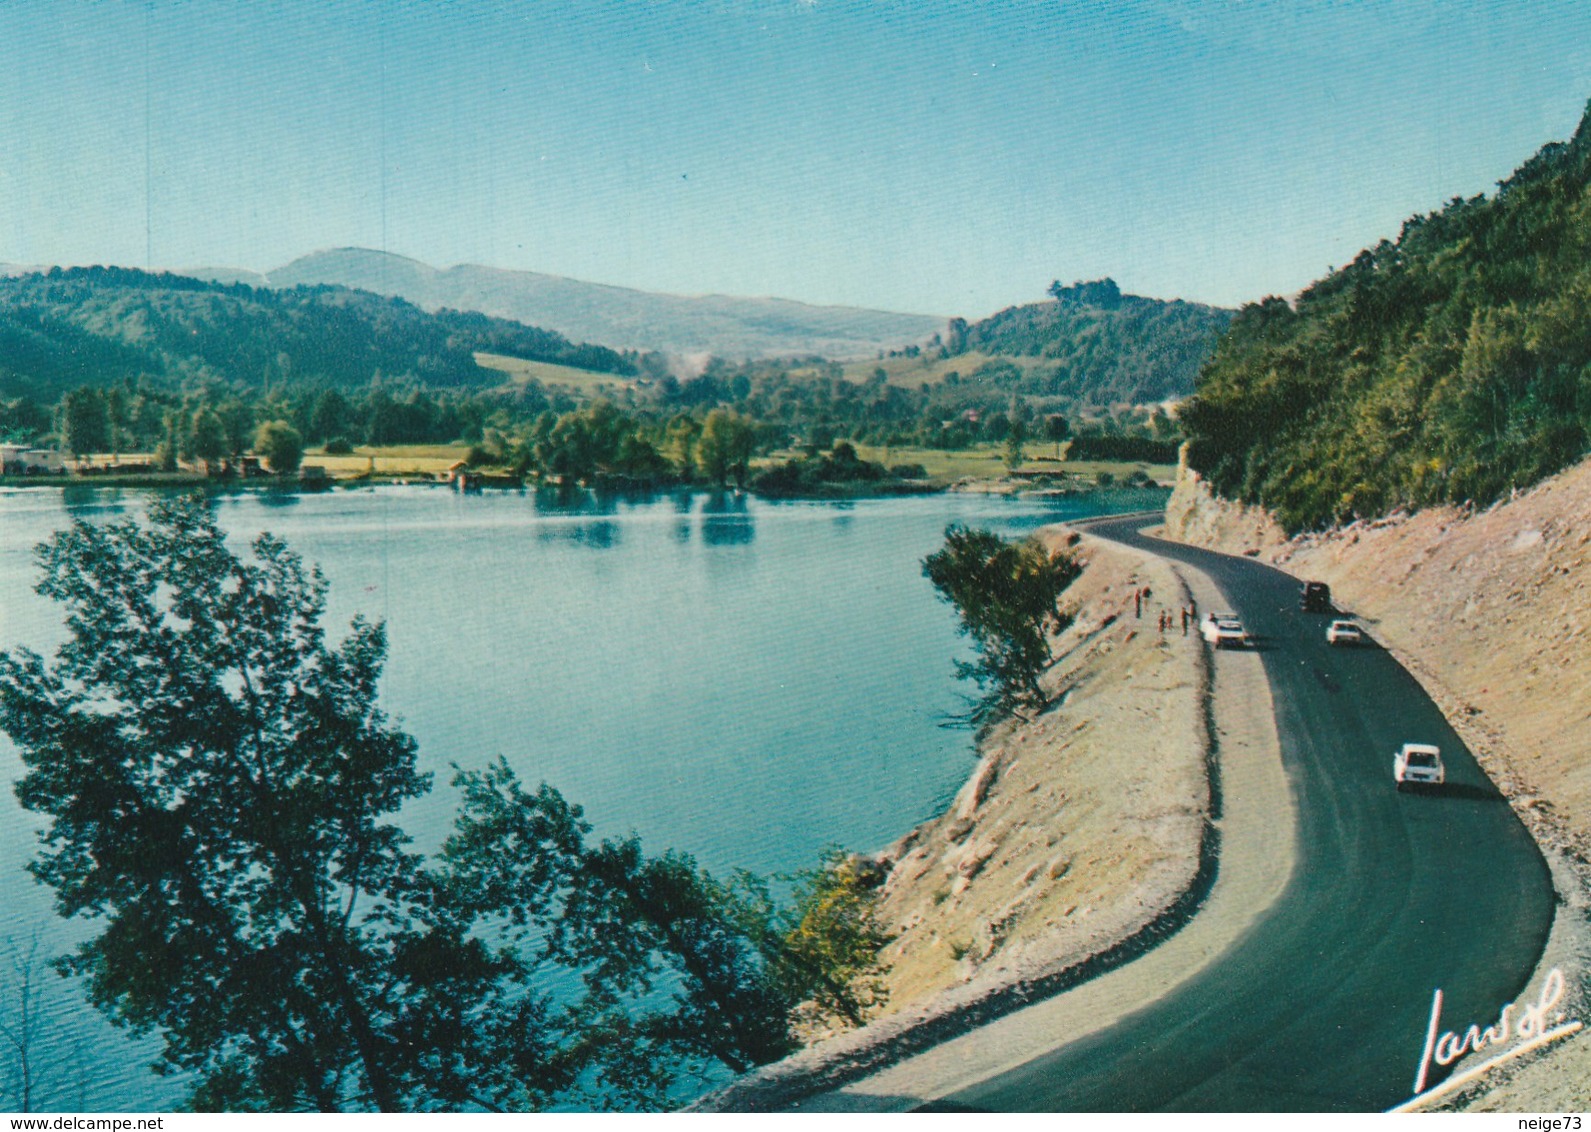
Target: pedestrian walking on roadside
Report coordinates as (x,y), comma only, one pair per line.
(1184,621)
(1138,603)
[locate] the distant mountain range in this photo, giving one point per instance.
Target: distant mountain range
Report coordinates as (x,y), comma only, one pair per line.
(341,318)
(618,317)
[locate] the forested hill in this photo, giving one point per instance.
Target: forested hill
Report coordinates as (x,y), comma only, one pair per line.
(1452,365)
(1106,346)
(95,325)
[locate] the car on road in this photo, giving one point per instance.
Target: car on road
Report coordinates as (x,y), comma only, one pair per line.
(1223,629)
(1344,632)
(1418,764)
(1315,598)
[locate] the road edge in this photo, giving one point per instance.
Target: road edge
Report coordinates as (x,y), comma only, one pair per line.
(874,1049)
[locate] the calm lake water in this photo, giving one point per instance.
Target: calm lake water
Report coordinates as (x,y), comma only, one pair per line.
(747,681)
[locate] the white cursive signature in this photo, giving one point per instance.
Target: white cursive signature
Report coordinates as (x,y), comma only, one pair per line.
(1528,1025)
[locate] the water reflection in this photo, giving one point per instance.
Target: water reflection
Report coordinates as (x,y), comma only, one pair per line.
(554,498)
(684,502)
(726,519)
(571,499)
(598,536)
(279,498)
(562,503)
(83,501)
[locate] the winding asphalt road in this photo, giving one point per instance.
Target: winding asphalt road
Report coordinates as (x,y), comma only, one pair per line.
(1324,1004)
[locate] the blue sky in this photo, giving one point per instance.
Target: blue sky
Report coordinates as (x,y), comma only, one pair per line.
(941,157)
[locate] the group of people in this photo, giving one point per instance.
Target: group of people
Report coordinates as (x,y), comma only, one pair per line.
(1189,613)
(1169,619)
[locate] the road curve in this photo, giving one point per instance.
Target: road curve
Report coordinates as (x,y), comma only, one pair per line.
(1325,1003)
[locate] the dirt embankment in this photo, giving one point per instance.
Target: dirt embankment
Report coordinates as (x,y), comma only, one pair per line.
(1077,827)
(1491,611)
(1080,832)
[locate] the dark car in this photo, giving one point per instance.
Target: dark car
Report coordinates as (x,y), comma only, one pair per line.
(1316,598)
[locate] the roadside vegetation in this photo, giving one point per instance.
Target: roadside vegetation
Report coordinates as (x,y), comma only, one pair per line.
(1006,595)
(220,790)
(1452,365)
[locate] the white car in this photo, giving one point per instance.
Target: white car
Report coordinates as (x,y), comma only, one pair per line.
(1344,633)
(1418,764)
(1223,629)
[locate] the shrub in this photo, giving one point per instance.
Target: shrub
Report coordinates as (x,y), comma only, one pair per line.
(280,446)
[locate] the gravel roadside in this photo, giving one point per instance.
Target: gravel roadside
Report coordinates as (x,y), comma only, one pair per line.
(1097,856)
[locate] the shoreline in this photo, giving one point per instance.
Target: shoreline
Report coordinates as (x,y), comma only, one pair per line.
(1041,485)
(948,983)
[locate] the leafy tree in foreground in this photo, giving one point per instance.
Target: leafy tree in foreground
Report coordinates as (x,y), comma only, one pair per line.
(831,940)
(744,966)
(1005,593)
(216,776)
(219,784)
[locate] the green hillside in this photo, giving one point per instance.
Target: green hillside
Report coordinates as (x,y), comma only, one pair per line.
(65,328)
(1450,366)
(1095,345)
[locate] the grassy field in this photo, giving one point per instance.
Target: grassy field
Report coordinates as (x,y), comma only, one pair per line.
(519,371)
(945,467)
(397,460)
(909,373)
(985,462)
(988,462)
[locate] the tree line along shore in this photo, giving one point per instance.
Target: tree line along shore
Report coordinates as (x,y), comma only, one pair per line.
(844,471)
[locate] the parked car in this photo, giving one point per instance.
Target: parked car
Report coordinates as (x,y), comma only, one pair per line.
(1418,764)
(1315,598)
(1341,632)
(1223,629)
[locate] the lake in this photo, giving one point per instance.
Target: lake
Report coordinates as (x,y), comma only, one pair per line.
(747,681)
